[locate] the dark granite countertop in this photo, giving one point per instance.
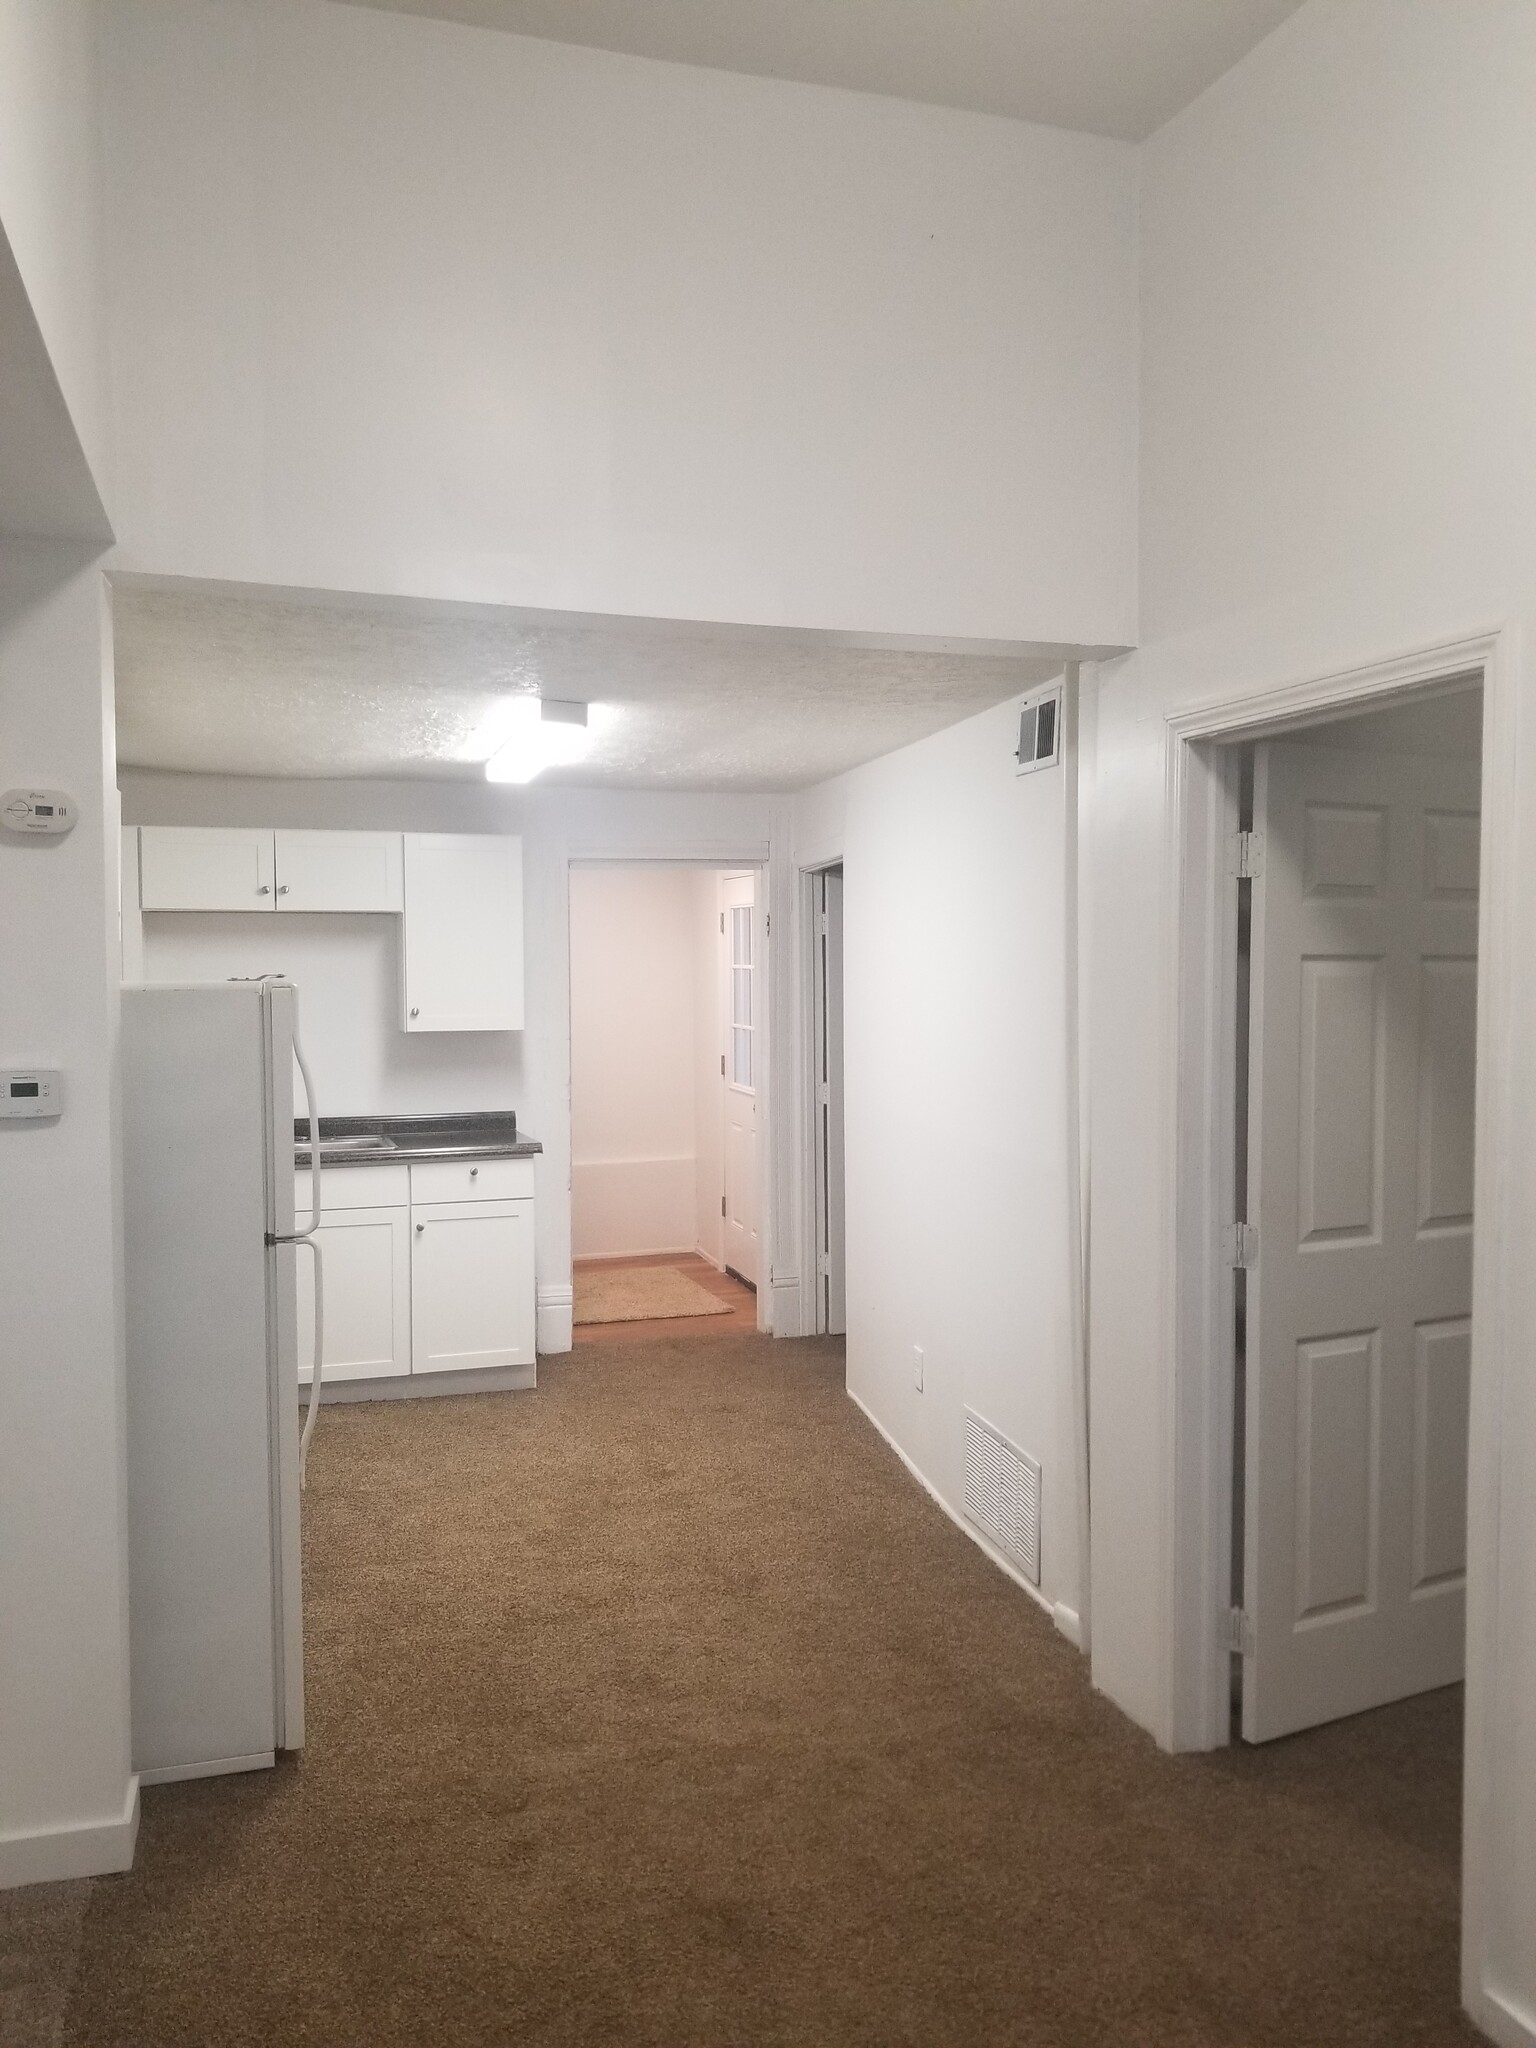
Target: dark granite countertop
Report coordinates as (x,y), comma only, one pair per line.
(378,1140)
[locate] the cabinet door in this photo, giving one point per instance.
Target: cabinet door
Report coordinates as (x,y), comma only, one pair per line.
(472,1298)
(367,1295)
(193,867)
(463,941)
(338,871)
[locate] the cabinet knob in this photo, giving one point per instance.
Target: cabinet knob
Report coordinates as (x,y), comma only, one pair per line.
(420,1228)
(282,888)
(474,1173)
(262,889)
(415,1013)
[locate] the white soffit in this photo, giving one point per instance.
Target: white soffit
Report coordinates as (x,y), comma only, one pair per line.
(1109,67)
(235,680)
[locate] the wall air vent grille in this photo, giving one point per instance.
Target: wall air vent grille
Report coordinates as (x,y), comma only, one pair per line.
(1002,1495)
(1039,731)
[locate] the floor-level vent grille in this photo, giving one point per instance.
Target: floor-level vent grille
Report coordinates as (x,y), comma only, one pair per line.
(1002,1495)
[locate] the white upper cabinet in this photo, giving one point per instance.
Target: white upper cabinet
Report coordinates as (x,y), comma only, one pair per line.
(339,871)
(461,943)
(188,867)
(463,938)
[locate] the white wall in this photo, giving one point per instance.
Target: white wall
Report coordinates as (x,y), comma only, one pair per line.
(68,1803)
(955,1122)
(404,306)
(49,197)
(1339,464)
(634,1060)
(532,1074)
(348,973)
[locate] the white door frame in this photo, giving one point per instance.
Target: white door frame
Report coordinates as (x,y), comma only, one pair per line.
(757,863)
(1200,1108)
(805,1107)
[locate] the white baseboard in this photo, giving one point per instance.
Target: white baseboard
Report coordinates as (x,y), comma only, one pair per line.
(220,1767)
(554,1320)
(427,1386)
(84,1849)
(1070,1624)
(987,1549)
(784,1307)
(1504,2020)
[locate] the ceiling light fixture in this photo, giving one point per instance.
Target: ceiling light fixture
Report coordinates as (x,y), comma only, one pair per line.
(540,733)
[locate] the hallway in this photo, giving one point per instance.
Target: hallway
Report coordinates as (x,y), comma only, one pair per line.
(661,1707)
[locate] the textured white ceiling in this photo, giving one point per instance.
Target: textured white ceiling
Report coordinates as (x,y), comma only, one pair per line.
(1112,67)
(238,681)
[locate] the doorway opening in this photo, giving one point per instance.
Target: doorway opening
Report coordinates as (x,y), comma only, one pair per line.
(667,1062)
(1353,1062)
(1340,917)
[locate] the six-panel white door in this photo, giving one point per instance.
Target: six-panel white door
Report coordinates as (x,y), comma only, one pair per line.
(1363,1009)
(739,1083)
(472,1286)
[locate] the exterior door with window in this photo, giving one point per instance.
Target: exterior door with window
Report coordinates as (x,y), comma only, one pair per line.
(739,926)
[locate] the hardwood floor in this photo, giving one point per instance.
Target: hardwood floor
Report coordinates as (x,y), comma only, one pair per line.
(743,1299)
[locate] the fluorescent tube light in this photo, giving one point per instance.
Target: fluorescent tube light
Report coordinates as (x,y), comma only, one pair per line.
(540,734)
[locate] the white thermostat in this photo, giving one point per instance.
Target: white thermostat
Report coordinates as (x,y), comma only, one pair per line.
(31,1091)
(37,810)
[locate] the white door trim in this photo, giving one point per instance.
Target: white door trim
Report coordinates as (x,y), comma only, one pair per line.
(805,1108)
(1197,1113)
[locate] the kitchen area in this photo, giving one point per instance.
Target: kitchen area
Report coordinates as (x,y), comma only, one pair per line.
(407,952)
(326,1186)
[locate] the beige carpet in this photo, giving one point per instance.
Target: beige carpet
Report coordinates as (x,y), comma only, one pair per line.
(661,1709)
(40,1929)
(640,1294)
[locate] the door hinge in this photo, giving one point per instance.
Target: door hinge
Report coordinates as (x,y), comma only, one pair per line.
(722,924)
(722,1063)
(824,924)
(1247,855)
(1238,1633)
(722,1205)
(823,1265)
(768,924)
(1240,1245)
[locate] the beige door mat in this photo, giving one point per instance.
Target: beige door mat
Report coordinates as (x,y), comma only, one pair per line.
(641,1294)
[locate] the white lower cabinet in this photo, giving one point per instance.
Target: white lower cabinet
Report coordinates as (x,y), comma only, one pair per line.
(367,1254)
(427,1272)
(472,1292)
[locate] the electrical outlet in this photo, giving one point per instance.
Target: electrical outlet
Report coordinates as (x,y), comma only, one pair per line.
(917,1367)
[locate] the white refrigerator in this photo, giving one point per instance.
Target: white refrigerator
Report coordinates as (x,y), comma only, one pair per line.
(215,1609)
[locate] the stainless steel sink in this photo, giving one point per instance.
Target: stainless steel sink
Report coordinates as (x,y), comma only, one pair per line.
(369,1141)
